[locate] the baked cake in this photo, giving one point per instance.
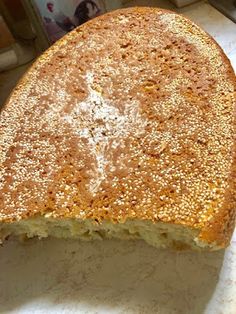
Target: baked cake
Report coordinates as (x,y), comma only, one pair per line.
(125,128)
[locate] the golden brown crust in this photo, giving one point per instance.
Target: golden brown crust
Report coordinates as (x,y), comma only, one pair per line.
(137,123)
(220,228)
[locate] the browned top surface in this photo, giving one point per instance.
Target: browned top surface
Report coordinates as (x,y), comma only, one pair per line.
(129,116)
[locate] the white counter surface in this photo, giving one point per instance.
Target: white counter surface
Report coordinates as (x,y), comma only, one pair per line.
(59,276)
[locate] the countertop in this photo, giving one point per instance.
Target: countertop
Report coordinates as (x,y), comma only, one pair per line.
(66,276)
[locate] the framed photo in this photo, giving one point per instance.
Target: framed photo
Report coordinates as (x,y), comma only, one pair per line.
(60,17)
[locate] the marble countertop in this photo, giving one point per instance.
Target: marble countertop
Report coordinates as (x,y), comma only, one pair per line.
(65,276)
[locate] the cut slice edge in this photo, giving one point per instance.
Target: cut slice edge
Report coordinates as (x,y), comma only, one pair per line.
(157,234)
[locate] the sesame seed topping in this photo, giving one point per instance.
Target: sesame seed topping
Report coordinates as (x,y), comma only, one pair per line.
(133,123)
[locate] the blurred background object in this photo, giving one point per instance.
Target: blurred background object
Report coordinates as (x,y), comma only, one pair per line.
(16,35)
(182,3)
(8,56)
(227,7)
(6,38)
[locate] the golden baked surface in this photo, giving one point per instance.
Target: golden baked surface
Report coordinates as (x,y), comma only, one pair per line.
(131,115)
